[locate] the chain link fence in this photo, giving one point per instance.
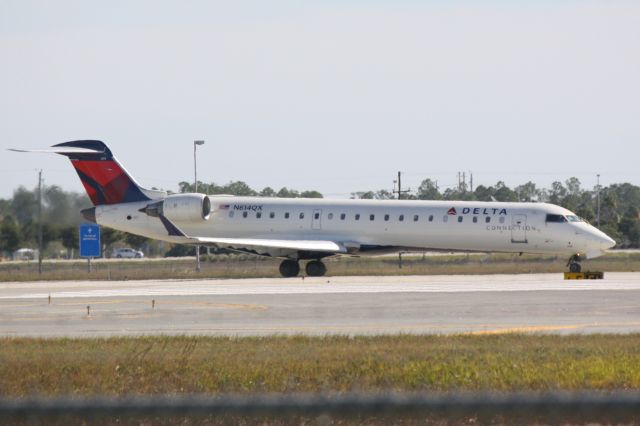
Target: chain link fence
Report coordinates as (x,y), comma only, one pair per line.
(514,408)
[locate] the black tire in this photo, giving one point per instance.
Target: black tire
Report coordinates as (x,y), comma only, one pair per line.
(119,256)
(575,267)
(289,268)
(315,268)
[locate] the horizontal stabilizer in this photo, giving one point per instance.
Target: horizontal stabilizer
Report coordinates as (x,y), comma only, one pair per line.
(61,150)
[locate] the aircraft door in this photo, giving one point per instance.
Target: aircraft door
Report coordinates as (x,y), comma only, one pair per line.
(316,220)
(519,228)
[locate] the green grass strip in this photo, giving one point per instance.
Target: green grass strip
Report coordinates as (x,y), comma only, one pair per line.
(174,365)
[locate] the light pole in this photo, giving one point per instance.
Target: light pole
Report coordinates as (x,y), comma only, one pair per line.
(598,198)
(195,181)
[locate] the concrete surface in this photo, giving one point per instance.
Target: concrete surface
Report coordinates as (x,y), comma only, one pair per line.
(329,305)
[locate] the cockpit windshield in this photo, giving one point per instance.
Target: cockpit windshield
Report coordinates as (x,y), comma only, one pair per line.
(558,218)
(574,218)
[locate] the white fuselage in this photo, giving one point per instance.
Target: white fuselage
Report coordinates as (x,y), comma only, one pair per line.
(372,225)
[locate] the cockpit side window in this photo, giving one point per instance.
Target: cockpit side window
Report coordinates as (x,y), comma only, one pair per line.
(556,218)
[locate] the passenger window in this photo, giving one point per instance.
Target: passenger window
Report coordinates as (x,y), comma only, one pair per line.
(357,216)
(459,219)
(315,216)
(415,217)
(286,215)
(401,218)
(430,218)
(475,219)
(386,217)
(301,215)
(502,220)
(258,215)
(272,215)
(372,216)
(231,213)
(245,214)
(487,219)
(445,219)
(330,216)
(343,216)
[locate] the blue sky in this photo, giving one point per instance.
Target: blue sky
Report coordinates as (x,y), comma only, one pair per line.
(333,96)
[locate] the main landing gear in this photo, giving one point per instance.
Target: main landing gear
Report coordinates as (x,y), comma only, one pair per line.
(291,268)
(574,263)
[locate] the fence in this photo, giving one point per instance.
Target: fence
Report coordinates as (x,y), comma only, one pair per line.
(557,407)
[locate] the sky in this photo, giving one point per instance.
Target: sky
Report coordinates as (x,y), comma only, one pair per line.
(336,96)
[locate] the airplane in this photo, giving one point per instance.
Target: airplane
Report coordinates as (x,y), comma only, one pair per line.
(311,230)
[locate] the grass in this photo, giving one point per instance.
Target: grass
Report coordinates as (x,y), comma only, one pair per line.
(182,365)
(244,266)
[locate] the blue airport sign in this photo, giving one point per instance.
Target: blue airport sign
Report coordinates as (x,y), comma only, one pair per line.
(89,240)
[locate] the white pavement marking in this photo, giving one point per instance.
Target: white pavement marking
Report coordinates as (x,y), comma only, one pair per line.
(324,285)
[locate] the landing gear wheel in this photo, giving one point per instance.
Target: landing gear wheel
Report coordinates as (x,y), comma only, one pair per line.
(289,268)
(574,263)
(315,268)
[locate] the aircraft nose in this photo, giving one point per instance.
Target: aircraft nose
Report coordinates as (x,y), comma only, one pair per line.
(603,241)
(607,242)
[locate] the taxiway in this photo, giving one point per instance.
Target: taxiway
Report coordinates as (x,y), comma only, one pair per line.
(318,306)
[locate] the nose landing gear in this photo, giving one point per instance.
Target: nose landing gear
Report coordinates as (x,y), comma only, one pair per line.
(574,263)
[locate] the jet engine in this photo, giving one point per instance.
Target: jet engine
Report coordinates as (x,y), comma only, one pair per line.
(181,208)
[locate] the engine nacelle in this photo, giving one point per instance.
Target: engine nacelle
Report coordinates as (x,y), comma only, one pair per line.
(181,207)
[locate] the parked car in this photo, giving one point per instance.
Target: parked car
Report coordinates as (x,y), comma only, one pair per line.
(25,254)
(127,253)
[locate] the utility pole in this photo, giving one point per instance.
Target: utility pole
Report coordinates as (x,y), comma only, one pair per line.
(400,191)
(195,182)
(40,221)
(598,201)
(470,181)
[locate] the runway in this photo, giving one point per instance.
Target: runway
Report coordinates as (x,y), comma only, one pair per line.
(480,304)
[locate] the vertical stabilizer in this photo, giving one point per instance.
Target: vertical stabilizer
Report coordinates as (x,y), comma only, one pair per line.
(104,179)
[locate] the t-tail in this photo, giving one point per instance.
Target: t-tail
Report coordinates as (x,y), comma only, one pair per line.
(104,179)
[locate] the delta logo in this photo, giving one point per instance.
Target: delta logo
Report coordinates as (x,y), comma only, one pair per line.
(478,210)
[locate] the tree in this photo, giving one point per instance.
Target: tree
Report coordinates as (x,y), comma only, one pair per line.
(428,191)
(310,194)
(368,195)
(108,237)
(288,193)
(557,193)
(268,192)
(527,192)
(9,235)
(484,193)
(70,238)
(504,193)
(135,241)
(24,206)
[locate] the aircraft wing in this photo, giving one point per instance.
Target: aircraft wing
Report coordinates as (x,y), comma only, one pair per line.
(268,247)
